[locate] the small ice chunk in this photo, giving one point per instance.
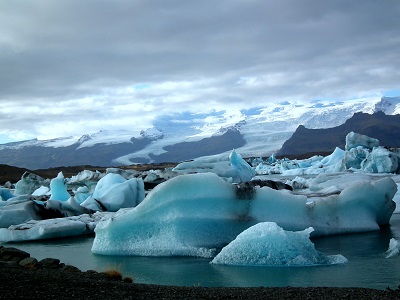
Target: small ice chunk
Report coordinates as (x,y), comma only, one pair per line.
(394,248)
(267,244)
(43,190)
(58,188)
(244,172)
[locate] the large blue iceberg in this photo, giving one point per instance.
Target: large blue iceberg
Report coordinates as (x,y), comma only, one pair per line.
(198,214)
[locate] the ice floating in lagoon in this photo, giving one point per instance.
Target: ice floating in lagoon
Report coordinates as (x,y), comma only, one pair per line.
(199,213)
(267,244)
(233,168)
(362,154)
(28,183)
(42,191)
(113,192)
(244,172)
(354,140)
(17,210)
(53,228)
(58,188)
(394,248)
(6,194)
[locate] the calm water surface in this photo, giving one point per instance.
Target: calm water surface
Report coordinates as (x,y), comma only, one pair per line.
(367,266)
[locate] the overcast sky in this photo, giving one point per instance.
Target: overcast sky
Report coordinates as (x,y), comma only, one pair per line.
(70,67)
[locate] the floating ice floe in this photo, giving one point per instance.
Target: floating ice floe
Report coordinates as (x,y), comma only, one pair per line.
(232,168)
(42,191)
(18,210)
(58,188)
(354,140)
(113,192)
(6,194)
(267,244)
(198,214)
(362,154)
(53,228)
(29,183)
(394,248)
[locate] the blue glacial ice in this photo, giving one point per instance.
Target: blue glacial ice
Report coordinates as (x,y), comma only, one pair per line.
(362,154)
(267,244)
(113,192)
(198,214)
(58,188)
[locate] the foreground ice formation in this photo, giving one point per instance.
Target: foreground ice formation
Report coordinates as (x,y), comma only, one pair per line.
(267,244)
(198,214)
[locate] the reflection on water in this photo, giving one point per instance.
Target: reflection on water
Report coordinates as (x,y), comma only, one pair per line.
(367,266)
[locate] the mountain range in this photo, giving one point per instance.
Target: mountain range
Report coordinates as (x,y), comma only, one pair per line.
(257,131)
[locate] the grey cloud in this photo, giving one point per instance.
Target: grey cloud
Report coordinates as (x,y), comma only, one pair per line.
(53,51)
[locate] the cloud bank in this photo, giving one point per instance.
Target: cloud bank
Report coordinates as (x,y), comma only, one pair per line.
(71,67)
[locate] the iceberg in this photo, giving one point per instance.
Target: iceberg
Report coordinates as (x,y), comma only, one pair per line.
(18,210)
(113,192)
(6,194)
(362,154)
(53,228)
(267,244)
(394,248)
(354,140)
(232,168)
(58,188)
(198,214)
(381,160)
(29,183)
(244,172)
(40,192)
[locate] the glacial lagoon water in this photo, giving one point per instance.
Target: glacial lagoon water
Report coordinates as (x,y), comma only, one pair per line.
(366,267)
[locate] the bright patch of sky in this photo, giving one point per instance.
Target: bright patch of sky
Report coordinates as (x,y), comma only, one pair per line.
(392,93)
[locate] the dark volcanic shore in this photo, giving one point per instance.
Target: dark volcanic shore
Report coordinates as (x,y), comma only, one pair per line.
(23,283)
(22,277)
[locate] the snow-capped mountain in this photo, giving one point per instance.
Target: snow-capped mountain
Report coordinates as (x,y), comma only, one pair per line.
(258,131)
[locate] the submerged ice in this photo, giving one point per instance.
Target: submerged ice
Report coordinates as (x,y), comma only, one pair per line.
(267,244)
